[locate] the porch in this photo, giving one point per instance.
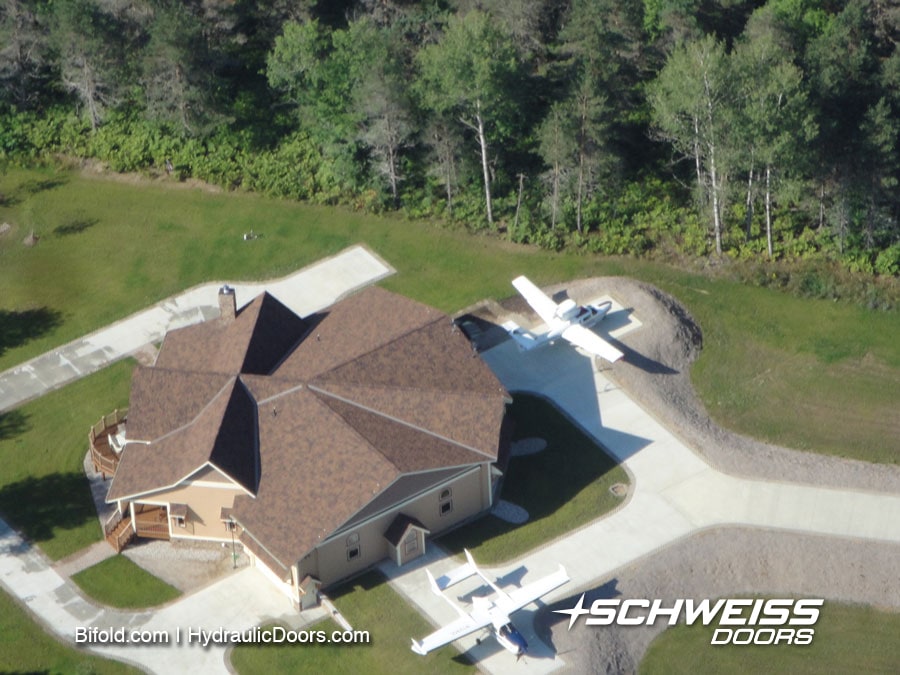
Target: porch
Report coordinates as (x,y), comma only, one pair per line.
(151,522)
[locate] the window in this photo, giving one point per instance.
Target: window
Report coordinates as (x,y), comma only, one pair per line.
(353,553)
(230,526)
(446,501)
(411,544)
(179,521)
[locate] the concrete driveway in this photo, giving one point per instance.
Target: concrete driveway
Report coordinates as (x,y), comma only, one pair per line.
(674,494)
(305,291)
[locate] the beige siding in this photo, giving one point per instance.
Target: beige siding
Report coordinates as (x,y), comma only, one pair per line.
(210,474)
(332,562)
(204,509)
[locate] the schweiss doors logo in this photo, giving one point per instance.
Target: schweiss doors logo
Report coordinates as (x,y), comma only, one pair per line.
(759,622)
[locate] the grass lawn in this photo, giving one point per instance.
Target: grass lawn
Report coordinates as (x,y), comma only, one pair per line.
(43,491)
(562,487)
(26,648)
(368,603)
(118,582)
(848,639)
(815,375)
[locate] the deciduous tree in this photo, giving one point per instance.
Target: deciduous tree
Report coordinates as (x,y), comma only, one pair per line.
(469,74)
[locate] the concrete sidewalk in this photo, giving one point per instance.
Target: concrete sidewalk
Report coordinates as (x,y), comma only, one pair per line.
(237,602)
(305,291)
(674,494)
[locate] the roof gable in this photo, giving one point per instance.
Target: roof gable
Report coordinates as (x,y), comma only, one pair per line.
(227,441)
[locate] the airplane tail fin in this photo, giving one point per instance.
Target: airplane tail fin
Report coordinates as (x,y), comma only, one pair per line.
(524,339)
(499,591)
(433,584)
(436,589)
(470,559)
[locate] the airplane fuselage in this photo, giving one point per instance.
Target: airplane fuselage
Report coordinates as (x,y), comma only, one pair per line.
(568,315)
(511,639)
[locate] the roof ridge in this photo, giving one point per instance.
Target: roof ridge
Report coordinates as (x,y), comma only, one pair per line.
(206,406)
(382,345)
(397,420)
(354,430)
(318,380)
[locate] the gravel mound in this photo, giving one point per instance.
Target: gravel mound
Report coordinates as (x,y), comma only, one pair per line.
(656,373)
(725,562)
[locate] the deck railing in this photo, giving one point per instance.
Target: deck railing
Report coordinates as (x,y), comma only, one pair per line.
(104,460)
(118,531)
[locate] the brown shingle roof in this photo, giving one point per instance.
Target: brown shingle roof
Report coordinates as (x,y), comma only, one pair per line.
(316,472)
(163,400)
(353,327)
(434,356)
(470,419)
(223,434)
(379,387)
(261,334)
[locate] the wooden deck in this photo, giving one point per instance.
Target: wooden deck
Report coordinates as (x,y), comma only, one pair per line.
(104,459)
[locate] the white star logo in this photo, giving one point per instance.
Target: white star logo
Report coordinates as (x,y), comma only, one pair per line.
(575,612)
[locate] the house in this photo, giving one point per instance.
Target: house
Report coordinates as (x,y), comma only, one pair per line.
(323,444)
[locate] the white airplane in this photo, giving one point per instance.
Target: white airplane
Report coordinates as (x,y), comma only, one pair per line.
(485,612)
(567,320)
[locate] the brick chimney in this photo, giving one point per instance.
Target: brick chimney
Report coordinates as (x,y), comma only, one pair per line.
(227,303)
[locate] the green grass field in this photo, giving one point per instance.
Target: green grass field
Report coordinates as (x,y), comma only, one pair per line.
(848,639)
(25,647)
(562,487)
(43,491)
(368,603)
(814,375)
(118,582)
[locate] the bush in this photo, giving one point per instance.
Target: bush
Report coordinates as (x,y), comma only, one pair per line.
(888,261)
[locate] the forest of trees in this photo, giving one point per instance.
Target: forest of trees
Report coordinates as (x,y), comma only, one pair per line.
(759,130)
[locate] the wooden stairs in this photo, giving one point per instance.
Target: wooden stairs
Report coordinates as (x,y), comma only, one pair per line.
(119,533)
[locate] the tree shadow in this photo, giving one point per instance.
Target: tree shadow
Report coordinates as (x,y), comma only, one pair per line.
(38,506)
(74,226)
(13,423)
(33,187)
(19,326)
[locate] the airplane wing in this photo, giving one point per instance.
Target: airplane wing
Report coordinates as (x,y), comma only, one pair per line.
(452,631)
(527,594)
(540,303)
(591,342)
